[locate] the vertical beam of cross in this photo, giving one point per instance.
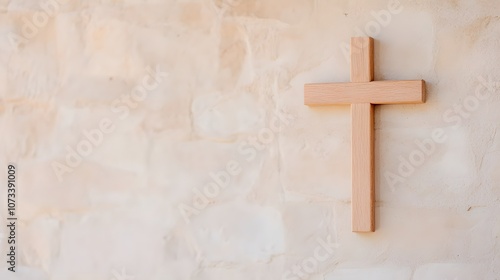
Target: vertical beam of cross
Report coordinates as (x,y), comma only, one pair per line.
(361,93)
(363,189)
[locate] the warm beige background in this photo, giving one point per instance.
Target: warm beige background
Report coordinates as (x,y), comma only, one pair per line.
(233,65)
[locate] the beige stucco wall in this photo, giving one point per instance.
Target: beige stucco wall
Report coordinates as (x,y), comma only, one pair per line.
(168,140)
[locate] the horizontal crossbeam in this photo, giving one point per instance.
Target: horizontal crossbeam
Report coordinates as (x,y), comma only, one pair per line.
(378,92)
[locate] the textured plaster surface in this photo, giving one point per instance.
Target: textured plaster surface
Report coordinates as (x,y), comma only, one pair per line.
(167,139)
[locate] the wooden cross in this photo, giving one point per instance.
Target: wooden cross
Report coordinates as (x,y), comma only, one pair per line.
(361,94)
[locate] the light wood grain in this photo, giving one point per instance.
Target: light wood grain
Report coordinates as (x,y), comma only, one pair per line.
(378,92)
(363,188)
(361,93)
(363,199)
(361,59)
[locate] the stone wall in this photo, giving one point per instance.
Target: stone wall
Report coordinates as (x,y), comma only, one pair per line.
(161,139)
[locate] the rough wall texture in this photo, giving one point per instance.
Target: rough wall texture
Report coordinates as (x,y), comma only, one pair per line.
(162,139)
